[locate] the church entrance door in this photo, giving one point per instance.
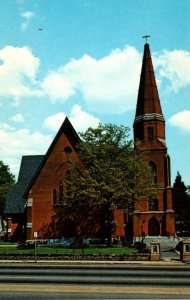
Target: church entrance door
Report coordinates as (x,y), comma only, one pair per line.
(153,227)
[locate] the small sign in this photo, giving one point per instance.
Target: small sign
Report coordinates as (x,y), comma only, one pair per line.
(35,234)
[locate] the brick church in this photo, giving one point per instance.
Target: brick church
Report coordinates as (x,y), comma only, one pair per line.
(31,203)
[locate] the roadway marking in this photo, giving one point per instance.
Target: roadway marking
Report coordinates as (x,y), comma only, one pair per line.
(93,289)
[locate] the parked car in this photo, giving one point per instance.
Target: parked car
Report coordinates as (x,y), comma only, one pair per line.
(94,241)
(65,242)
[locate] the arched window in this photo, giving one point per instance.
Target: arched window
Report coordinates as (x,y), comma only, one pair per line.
(61,192)
(150,134)
(68,186)
(154,170)
(153,204)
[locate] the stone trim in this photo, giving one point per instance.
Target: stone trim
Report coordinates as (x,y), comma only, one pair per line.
(149,117)
(29,202)
(148,212)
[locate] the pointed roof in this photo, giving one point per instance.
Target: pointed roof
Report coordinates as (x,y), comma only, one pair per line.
(31,166)
(73,138)
(148,102)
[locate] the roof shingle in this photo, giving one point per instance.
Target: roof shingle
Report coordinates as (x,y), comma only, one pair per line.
(15,202)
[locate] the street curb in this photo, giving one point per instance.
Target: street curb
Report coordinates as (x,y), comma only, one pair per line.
(88,262)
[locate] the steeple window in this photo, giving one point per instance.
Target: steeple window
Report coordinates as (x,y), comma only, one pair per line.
(153,204)
(150,134)
(154,170)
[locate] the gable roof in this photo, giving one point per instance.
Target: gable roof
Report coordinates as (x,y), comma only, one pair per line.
(15,202)
(31,167)
(73,138)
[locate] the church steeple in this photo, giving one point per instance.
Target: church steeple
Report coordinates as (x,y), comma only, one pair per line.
(148,110)
(154,215)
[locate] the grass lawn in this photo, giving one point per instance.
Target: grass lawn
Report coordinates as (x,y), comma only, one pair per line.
(53,251)
(6,243)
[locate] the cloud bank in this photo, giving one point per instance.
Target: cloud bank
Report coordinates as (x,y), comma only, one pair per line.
(18,70)
(108,85)
(174,66)
(18,142)
(80,119)
(181,121)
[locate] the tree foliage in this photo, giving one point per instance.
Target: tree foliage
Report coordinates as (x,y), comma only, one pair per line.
(181,205)
(111,173)
(6,180)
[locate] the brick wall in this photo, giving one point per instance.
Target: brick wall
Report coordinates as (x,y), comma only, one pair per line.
(54,169)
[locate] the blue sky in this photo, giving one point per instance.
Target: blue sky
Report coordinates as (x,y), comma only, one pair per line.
(82,59)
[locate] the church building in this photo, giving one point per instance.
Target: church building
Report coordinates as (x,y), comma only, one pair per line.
(31,203)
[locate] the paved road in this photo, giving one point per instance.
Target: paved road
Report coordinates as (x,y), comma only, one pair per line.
(101,281)
(118,275)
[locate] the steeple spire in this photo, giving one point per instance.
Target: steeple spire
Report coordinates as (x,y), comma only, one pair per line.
(149,117)
(148,99)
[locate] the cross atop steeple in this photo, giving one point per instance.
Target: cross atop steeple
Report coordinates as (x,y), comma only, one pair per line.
(146,37)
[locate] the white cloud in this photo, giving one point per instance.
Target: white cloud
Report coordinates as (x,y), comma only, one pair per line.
(174,66)
(80,120)
(108,85)
(27,15)
(54,122)
(18,118)
(181,120)
(18,72)
(15,143)
(18,142)
(57,87)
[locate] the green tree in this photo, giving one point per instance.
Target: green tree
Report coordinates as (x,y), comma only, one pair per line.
(181,205)
(6,180)
(111,173)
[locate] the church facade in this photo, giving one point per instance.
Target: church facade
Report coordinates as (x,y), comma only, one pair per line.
(32,203)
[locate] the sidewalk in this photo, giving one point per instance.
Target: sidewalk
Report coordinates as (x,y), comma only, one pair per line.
(85,262)
(96,289)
